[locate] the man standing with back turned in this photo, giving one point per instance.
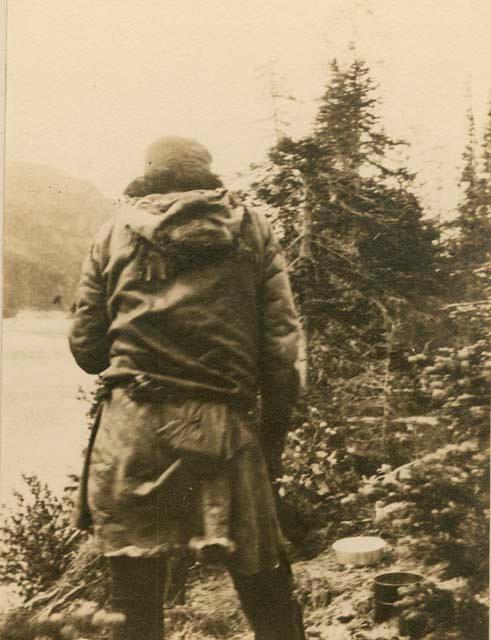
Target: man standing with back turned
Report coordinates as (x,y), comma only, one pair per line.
(185,307)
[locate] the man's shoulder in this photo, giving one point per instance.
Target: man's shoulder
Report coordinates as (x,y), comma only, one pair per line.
(112,237)
(114,222)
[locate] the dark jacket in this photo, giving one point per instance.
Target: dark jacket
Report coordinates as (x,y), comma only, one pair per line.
(190,290)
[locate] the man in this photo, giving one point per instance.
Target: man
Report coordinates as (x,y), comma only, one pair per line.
(185,307)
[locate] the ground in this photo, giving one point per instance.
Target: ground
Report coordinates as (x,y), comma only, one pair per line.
(338,604)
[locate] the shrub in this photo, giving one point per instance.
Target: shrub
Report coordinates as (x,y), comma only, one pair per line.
(82,619)
(38,540)
(316,464)
(437,508)
(457,379)
(447,610)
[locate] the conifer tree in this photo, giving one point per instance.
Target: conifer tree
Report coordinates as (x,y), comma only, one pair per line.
(487,147)
(339,190)
(351,226)
(486,168)
(472,246)
(347,127)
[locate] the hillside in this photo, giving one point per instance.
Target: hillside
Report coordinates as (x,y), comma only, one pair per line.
(50,218)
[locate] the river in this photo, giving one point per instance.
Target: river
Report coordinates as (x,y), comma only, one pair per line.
(43,424)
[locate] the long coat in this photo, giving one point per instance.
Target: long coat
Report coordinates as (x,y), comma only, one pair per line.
(185,307)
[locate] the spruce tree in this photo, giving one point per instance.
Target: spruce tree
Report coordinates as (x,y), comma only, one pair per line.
(487,147)
(471,248)
(363,262)
(485,205)
(352,228)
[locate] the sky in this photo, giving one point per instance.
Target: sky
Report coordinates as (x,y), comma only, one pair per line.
(90,83)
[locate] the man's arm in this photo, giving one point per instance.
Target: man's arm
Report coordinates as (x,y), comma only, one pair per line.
(88,338)
(279,378)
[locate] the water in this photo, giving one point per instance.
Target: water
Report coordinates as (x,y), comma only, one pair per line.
(43,424)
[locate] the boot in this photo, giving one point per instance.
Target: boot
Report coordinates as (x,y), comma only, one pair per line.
(144,619)
(269,605)
(137,593)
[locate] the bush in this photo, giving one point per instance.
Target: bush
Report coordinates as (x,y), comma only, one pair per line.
(316,464)
(437,508)
(457,380)
(446,610)
(38,540)
(82,619)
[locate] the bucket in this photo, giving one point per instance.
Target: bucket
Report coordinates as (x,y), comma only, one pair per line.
(359,550)
(386,588)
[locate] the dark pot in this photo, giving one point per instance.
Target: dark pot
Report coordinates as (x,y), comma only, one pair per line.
(386,588)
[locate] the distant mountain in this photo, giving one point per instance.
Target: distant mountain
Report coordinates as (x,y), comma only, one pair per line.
(50,219)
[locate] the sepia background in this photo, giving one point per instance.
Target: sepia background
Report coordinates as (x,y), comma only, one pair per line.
(89,84)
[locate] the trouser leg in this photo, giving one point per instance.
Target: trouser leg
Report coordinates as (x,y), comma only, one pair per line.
(177,571)
(137,592)
(269,604)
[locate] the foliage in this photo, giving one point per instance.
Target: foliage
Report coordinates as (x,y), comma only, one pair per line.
(388,380)
(363,264)
(83,618)
(370,410)
(457,380)
(398,353)
(342,204)
(38,540)
(317,467)
(437,507)
(471,247)
(447,608)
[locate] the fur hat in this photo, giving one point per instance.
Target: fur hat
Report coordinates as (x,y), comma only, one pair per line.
(173,150)
(172,164)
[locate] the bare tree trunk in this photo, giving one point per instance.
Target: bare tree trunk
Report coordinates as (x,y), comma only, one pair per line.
(306,242)
(305,255)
